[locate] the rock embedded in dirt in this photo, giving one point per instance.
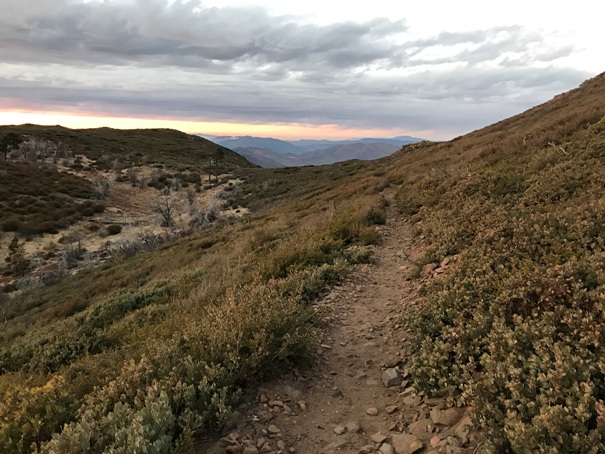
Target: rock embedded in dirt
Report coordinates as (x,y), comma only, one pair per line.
(340,442)
(353,427)
(339,430)
(412,401)
(407,444)
(273,429)
(391,409)
(367,449)
(372,411)
(447,417)
(463,427)
(386,449)
(421,427)
(435,441)
(428,269)
(391,377)
(378,437)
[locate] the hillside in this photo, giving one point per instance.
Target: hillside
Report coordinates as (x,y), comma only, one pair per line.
(339,153)
(313,145)
(272,153)
(134,146)
(266,158)
(275,145)
(470,272)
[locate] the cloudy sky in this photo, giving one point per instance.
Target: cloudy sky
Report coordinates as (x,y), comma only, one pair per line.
(306,69)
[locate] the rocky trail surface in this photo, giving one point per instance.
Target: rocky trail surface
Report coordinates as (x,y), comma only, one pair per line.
(359,397)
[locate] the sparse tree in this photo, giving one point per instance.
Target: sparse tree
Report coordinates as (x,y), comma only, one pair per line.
(11,141)
(101,188)
(218,156)
(18,263)
(165,206)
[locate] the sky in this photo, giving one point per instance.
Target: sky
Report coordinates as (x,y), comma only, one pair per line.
(306,69)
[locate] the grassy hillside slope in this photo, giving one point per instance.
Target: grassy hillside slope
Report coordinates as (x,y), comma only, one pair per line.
(148,350)
(517,326)
(135,146)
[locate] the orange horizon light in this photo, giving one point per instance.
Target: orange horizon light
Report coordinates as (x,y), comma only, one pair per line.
(287,131)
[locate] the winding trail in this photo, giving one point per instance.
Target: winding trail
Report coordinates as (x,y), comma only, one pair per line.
(342,404)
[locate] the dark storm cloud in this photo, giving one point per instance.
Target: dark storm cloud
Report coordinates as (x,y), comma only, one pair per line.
(144,58)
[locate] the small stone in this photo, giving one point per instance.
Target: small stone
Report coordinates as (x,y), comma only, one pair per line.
(263,399)
(367,449)
(281,445)
(250,450)
(339,443)
(276,403)
(411,401)
(463,428)
(273,429)
(231,438)
(421,427)
(339,430)
(302,405)
(266,448)
(428,269)
(435,441)
(387,449)
(393,427)
(450,441)
(353,427)
(447,417)
(391,409)
(407,444)
(378,437)
(372,411)
(391,377)
(233,449)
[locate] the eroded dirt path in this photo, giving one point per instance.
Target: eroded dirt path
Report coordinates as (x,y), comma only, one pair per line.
(344,404)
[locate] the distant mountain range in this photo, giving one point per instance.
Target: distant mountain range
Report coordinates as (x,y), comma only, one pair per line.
(270,152)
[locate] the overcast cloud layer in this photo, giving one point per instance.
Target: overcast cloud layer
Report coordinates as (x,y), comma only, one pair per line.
(184,61)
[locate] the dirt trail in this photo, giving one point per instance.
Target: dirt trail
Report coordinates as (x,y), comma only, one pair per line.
(342,405)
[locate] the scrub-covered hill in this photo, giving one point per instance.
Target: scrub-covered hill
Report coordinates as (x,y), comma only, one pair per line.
(148,352)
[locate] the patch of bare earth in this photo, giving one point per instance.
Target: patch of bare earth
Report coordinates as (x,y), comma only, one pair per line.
(134,207)
(359,397)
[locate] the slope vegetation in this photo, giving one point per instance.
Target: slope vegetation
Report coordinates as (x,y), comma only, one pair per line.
(517,329)
(135,146)
(144,352)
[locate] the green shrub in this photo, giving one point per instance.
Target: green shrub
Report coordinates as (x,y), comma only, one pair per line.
(114,229)
(517,327)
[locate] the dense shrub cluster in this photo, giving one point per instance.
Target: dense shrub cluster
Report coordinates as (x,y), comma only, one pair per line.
(37,200)
(517,327)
